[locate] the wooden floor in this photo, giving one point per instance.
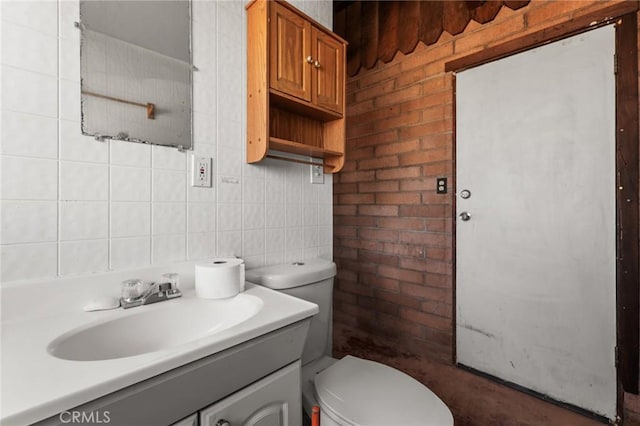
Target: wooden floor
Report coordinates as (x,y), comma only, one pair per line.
(472,399)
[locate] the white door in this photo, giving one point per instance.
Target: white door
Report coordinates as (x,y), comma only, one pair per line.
(535,261)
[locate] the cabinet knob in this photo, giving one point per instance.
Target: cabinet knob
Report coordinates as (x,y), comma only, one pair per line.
(316,64)
(309,60)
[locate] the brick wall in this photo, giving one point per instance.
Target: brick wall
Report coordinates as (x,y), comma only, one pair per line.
(392,233)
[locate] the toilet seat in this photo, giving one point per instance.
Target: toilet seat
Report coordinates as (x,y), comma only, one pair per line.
(357,392)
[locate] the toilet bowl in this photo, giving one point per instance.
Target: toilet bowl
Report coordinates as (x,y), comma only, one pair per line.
(350,391)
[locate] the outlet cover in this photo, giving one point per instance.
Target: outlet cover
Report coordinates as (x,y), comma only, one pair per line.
(201,172)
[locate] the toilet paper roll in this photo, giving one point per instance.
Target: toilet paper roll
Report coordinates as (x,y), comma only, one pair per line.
(219,278)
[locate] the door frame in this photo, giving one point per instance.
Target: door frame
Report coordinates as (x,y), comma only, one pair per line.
(627,174)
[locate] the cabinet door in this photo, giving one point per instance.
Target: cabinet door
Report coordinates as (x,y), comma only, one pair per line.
(192,420)
(290,46)
(273,401)
(328,55)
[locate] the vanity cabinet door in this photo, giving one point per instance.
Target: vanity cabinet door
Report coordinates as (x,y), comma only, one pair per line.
(273,401)
(192,420)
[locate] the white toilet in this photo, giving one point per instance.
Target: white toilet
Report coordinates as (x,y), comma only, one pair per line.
(350,391)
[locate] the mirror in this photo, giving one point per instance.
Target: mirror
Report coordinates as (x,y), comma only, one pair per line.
(136,70)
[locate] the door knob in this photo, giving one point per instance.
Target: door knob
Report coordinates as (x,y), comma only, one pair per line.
(316,64)
(309,59)
(465,216)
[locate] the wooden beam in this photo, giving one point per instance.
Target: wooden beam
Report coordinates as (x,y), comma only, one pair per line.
(455,17)
(369,39)
(430,21)
(628,233)
(486,12)
(409,26)
(389,14)
(354,37)
(543,36)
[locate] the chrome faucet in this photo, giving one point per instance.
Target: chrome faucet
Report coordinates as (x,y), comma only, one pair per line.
(156,292)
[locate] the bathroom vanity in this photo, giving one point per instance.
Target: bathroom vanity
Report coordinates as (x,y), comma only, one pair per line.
(248,368)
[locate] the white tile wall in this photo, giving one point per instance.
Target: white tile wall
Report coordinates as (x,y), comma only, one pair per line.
(71,204)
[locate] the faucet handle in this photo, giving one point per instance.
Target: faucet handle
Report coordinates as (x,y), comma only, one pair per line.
(164,287)
(173,279)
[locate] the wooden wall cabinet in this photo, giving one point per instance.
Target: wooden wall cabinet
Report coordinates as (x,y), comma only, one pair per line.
(295,85)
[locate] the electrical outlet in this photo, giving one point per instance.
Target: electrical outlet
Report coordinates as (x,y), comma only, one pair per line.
(441,185)
(201,172)
(317,174)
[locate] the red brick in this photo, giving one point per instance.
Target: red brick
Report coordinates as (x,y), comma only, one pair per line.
(403,249)
(438,126)
(399,299)
(378,305)
(440,140)
(385,186)
(399,121)
(438,169)
(345,253)
(437,308)
(426,293)
(398,96)
(359,108)
(422,211)
(378,234)
(378,163)
(356,266)
(358,130)
(344,210)
(439,253)
(439,225)
(426,101)
(355,220)
(362,244)
(377,257)
(418,185)
(373,115)
(398,198)
(352,86)
(359,154)
(375,76)
(344,188)
(343,297)
(373,139)
(398,173)
(344,231)
(429,320)
(375,90)
(426,265)
(358,176)
(379,282)
(397,148)
(433,53)
(359,312)
(401,223)
(393,326)
(400,274)
(374,210)
(356,198)
(343,274)
(427,238)
(440,280)
(410,77)
(487,33)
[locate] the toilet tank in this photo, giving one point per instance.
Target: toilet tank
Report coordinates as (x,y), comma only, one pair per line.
(311,280)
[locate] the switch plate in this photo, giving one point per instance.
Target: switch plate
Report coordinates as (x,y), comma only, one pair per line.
(201,172)
(441,185)
(317,174)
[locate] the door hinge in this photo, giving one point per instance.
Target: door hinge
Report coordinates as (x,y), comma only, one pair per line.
(615,64)
(617,357)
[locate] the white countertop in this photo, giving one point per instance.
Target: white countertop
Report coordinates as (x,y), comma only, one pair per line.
(36,385)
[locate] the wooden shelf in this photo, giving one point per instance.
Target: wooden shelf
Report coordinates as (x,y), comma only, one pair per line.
(301,149)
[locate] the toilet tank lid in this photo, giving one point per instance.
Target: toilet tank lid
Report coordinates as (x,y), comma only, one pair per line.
(292,274)
(359,392)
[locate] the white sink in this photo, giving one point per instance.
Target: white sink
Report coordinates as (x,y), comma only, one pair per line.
(152,328)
